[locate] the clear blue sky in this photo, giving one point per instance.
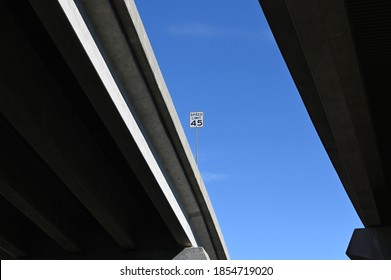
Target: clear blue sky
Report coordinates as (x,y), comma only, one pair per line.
(274,190)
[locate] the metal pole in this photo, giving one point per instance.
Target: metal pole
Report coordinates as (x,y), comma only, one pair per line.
(197,145)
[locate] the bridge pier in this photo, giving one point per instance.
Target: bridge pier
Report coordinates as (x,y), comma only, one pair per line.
(192,253)
(370,244)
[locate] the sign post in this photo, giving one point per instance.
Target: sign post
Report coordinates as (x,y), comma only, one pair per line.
(196,121)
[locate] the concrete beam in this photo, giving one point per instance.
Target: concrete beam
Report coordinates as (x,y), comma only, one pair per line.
(40,113)
(150,254)
(370,244)
(48,226)
(9,250)
(69,31)
(130,57)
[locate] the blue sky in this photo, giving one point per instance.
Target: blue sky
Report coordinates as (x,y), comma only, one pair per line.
(272,185)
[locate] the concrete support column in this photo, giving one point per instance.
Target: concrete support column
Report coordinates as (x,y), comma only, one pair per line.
(370,244)
(192,253)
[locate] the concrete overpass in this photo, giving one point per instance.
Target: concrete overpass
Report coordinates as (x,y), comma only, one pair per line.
(339,55)
(94,161)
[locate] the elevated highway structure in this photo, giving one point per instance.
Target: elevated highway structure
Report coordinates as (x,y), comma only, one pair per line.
(339,55)
(94,163)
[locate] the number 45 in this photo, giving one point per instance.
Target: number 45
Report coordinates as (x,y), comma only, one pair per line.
(196,123)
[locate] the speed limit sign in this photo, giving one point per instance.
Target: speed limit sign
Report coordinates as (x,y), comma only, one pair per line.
(196,119)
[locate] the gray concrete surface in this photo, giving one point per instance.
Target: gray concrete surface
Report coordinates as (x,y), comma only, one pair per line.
(194,253)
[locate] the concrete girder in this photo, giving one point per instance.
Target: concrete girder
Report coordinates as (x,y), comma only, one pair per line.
(49,124)
(105,95)
(134,65)
(50,227)
(9,250)
(316,42)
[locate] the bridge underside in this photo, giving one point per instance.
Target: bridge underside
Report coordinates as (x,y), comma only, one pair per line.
(78,179)
(66,187)
(338,53)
